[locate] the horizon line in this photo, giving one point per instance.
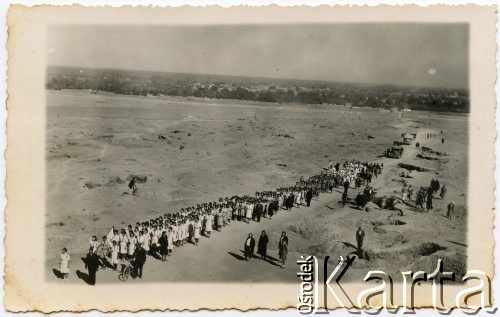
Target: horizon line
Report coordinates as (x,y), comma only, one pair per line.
(263,77)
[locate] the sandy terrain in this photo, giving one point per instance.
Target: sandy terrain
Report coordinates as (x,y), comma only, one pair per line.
(195,151)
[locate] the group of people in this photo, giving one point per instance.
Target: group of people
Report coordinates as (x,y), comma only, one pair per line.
(159,236)
(425,195)
(249,247)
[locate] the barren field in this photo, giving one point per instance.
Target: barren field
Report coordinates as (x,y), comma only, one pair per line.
(194,151)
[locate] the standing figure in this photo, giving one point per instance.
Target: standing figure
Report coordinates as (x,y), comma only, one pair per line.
(140,259)
(249,247)
(283,248)
(410,193)
(309,196)
(132,243)
(259,210)
(114,255)
(163,246)
(92,265)
(451,209)
(248,212)
(346,185)
(443,192)
(123,244)
(197,229)
(208,225)
(429,200)
(103,252)
(360,236)
(220,221)
(64,264)
(344,199)
(262,245)
(170,241)
(404,194)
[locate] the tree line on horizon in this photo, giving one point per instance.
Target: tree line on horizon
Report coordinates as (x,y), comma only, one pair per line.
(431,99)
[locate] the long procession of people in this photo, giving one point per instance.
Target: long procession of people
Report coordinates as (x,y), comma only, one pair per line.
(159,236)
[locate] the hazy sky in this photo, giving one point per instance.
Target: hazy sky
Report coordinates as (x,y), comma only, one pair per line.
(407,54)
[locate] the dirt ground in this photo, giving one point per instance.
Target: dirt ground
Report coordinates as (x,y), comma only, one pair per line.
(195,150)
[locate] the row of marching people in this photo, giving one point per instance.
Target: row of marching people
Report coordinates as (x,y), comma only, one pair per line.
(159,236)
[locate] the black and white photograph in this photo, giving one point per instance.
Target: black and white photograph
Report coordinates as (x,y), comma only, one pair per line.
(223,153)
(204,152)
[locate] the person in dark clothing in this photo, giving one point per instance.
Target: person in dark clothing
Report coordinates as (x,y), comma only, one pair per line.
(429,202)
(283,248)
(259,209)
(249,247)
(92,265)
(337,167)
(272,207)
(140,260)
(346,186)
(289,201)
(262,245)
(163,241)
(132,186)
(451,209)
(344,199)
(360,236)
(309,196)
(430,190)
(360,200)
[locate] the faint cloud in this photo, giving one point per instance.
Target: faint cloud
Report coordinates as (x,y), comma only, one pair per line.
(432,71)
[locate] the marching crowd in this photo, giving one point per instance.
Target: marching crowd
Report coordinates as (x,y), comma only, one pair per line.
(159,236)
